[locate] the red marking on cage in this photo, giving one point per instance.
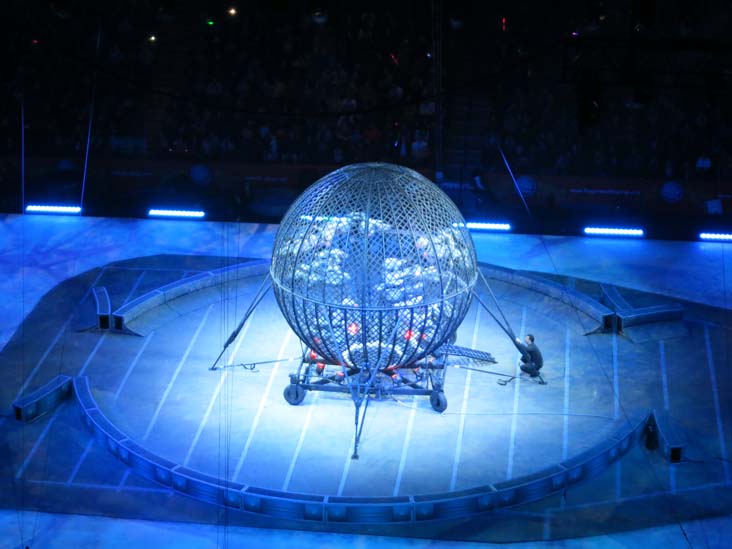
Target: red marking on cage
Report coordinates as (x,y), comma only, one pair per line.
(503,24)
(316,339)
(423,336)
(353,328)
(313,355)
(408,334)
(394,59)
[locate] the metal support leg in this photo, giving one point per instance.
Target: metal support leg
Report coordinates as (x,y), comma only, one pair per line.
(356,433)
(359,427)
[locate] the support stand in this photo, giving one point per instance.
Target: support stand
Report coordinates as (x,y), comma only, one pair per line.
(505,382)
(261,292)
(359,428)
(359,392)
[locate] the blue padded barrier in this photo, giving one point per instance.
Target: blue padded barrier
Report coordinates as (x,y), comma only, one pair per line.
(628,316)
(165,294)
(365,510)
(43,400)
(569,296)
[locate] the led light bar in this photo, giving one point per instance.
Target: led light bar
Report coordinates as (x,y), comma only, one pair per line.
(613,231)
(45,208)
(176,213)
(479,226)
(716,236)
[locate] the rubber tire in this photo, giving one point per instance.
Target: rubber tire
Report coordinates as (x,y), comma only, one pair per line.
(294,394)
(438,401)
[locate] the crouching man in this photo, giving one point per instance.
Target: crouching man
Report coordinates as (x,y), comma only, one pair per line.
(531,359)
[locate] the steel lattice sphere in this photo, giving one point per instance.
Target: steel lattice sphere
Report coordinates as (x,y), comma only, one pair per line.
(373,266)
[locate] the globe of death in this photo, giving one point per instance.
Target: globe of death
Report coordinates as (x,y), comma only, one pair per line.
(373,267)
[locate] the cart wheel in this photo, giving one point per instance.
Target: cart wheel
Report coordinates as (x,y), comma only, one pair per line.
(438,400)
(294,394)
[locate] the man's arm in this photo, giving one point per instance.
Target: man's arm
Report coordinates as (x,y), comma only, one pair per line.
(522,348)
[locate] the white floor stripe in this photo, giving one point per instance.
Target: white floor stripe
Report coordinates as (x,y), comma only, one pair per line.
(133,364)
(346,468)
(97,486)
(616,379)
(30,455)
(154,419)
(217,391)
(223,375)
(647,495)
(516,387)
(664,377)
(56,338)
(92,354)
(81,459)
(664,388)
(262,402)
(134,288)
(464,408)
(43,358)
(567,371)
(405,448)
(291,469)
(123,479)
(717,411)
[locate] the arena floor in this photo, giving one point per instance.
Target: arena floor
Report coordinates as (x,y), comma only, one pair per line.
(234,423)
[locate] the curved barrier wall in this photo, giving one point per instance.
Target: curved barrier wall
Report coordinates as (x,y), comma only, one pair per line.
(601,314)
(165,294)
(279,504)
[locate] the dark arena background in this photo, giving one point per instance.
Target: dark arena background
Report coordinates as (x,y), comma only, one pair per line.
(329,274)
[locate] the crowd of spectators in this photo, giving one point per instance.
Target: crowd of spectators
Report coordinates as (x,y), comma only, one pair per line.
(332,91)
(282,87)
(245,87)
(544,131)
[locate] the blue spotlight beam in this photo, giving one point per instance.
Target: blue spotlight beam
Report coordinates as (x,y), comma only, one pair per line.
(721,237)
(158,212)
(613,231)
(52,209)
(22,153)
(515,183)
(91,119)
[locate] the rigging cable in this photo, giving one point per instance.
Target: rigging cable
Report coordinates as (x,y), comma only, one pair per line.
(616,397)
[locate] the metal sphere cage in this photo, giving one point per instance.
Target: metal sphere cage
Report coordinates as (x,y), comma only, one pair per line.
(373,267)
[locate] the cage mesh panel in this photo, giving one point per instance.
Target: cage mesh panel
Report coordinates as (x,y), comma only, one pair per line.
(373,266)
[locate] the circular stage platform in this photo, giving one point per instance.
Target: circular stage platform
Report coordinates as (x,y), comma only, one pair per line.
(151,388)
(236,421)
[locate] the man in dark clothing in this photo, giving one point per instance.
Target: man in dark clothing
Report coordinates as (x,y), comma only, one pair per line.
(531,359)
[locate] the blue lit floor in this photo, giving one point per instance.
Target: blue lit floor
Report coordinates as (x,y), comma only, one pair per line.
(53,531)
(51,250)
